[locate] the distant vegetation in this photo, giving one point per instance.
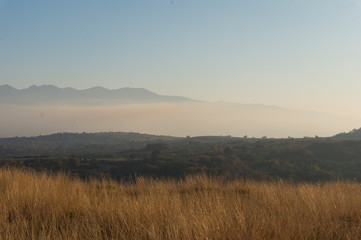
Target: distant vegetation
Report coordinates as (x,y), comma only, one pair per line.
(353,134)
(39,206)
(123,156)
(138,186)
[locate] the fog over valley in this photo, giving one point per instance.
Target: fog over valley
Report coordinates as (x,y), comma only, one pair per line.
(176,119)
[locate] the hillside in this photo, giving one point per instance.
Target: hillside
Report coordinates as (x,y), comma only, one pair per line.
(86,138)
(353,134)
(78,143)
(127,155)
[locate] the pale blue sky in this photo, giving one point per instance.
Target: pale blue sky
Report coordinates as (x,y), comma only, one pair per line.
(297,54)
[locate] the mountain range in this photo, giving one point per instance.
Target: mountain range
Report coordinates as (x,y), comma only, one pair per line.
(49,109)
(97,95)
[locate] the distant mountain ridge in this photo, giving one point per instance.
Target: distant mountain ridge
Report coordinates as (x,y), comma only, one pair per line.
(52,94)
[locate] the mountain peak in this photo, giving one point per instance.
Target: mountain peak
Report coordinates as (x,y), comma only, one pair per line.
(44,86)
(7,87)
(97,88)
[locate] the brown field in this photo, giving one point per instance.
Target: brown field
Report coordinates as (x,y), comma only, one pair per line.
(39,206)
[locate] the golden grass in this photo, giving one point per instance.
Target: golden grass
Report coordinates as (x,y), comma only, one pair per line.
(38,206)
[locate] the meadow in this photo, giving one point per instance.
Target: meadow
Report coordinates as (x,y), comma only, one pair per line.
(42,206)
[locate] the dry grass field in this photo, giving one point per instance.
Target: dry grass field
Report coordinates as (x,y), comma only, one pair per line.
(39,206)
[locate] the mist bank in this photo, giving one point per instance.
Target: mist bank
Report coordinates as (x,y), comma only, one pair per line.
(176,119)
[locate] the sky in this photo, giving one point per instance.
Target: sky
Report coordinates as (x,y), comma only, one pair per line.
(298,54)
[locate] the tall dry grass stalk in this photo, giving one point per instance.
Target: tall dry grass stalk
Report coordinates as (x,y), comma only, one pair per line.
(38,206)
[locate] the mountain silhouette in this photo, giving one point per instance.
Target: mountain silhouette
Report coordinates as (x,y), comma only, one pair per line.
(353,134)
(97,95)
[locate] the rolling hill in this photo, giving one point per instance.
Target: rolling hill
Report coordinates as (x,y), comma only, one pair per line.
(353,134)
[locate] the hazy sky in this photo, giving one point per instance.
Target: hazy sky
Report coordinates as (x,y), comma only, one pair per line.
(297,54)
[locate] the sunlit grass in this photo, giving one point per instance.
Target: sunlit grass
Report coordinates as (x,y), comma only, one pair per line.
(38,206)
